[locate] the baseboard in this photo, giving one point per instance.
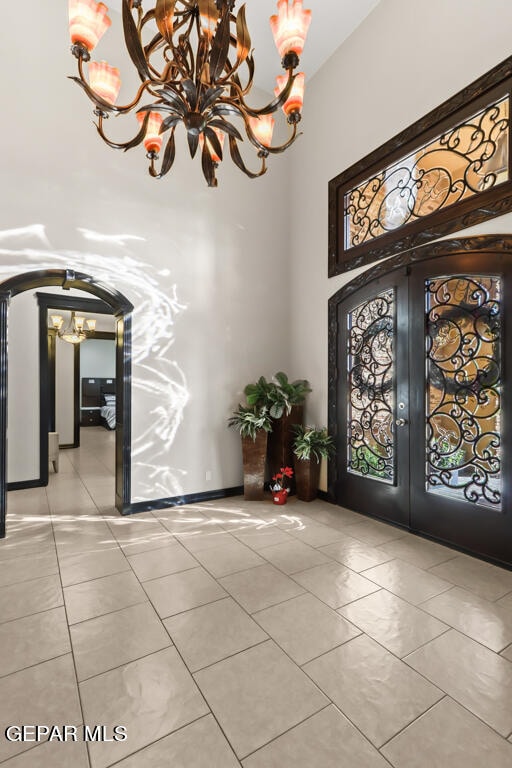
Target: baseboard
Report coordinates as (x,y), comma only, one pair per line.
(178,501)
(324,496)
(21,485)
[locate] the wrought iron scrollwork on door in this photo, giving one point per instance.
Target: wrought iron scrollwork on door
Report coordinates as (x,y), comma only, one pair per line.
(463,353)
(462,162)
(370,440)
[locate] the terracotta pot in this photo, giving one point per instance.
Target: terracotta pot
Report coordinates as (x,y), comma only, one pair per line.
(280,453)
(279,497)
(254,453)
(307,476)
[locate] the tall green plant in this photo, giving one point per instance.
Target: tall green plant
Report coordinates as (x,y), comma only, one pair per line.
(277,396)
(312,442)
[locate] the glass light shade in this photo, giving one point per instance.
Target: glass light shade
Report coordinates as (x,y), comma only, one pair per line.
(263,128)
(91,324)
(296,98)
(88,22)
(57,321)
(73,338)
(79,323)
(221,136)
(104,80)
(153,140)
(290,27)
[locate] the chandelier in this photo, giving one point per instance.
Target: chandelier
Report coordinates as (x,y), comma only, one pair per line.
(75,330)
(203,74)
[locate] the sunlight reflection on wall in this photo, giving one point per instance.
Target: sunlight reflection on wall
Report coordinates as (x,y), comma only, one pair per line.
(158,383)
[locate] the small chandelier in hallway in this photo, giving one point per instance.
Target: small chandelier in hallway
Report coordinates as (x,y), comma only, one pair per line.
(202,46)
(78,329)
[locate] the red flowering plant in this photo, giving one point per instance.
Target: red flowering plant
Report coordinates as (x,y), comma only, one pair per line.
(280,479)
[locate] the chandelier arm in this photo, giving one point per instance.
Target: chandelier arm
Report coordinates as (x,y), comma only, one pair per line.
(168,159)
(237,159)
(269,149)
(106,106)
(271,106)
(125,146)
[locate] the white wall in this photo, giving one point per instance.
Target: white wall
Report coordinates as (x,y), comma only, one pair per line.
(405,59)
(200,266)
(98,359)
(64,392)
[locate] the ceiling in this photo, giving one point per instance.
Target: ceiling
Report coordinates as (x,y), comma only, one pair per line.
(332,22)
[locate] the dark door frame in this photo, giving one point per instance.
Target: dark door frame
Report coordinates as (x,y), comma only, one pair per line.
(45,302)
(121,308)
(462,248)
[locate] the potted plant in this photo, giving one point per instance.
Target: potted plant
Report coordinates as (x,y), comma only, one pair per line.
(310,446)
(286,407)
(279,485)
(253,424)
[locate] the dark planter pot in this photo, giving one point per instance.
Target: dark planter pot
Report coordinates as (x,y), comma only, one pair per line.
(280,453)
(254,453)
(307,476)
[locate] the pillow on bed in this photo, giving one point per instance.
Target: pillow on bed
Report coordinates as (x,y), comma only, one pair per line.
(109,399)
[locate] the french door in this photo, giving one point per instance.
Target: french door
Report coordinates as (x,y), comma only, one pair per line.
(423,412)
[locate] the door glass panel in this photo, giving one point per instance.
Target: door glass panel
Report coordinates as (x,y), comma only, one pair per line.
(463,368)
(370,438)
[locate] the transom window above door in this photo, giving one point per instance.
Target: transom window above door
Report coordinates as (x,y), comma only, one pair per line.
(450,170)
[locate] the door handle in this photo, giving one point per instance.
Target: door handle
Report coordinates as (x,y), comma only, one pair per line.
(401,422)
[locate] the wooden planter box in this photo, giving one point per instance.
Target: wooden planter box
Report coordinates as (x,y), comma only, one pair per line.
(280,453)
(254,453)
(307,476)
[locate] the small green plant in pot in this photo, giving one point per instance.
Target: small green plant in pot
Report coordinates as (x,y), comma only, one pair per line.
(253,424)
(310,446)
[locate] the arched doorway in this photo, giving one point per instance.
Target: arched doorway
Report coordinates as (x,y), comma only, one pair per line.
(417,398)
(121,309)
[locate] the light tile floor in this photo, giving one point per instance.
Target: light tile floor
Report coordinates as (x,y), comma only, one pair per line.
(236,633)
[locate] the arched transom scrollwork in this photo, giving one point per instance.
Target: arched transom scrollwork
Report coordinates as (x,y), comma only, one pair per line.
(460,163)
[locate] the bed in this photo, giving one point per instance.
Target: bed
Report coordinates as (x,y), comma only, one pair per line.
(108,409)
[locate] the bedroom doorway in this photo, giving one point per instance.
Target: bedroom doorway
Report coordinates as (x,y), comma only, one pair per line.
(422,416)
(67,403)
(117,305)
